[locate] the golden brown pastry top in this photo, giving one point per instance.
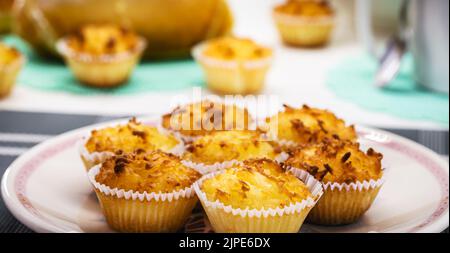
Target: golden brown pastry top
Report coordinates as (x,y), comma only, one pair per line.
(232,48)
(230,145)
(146,172)
(310,125)
(305,8)
(130,137)
(257,184)
(103,40)
(337,161)
(8,54)
(206,117)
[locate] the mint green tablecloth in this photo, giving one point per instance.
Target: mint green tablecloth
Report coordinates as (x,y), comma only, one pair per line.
(53,75)
(352,80)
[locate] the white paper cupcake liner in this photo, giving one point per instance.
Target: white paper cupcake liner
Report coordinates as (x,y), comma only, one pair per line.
(314,186)
(355,186)
(188,192)
(197,53)
(95,158)
(66,51)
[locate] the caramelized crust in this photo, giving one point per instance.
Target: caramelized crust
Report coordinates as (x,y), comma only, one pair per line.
(7,55)
(130,137)
(306,8)
(146,172)
(257,184)
(230,145)
(337,161)
(232,48)
(103,40)
(310,125)
(205,117)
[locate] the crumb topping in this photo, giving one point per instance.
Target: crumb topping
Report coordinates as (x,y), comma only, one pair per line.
(230,145)
(257,184)
(146,172)
(306,8)
(103,40)
(232,48)
(337,161)
(205,117)
(128,138)
(310,125)
(8,54)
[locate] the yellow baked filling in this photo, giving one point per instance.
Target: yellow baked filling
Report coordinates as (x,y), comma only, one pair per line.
(258,184)
(232,48)
(337,161)
(130,137)
(7,55)
(310,125)
(205,117)
(230,145)
(306,8)
(146,172)
(103,40)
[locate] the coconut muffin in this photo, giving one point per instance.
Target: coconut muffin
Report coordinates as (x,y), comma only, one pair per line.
(11,61)
(102,55)
(131,137)
(233,198)
(304,23)
(351,179)
(198,119)
(256,184)
(234,65)
(162,197)
(309,125)
(219,147)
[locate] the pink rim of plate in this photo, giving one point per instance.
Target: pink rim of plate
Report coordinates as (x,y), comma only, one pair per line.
(431,165)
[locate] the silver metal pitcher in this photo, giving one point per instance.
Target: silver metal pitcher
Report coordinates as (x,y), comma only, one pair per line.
(428,21)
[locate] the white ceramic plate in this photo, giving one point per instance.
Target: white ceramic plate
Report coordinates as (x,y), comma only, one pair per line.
(47,189)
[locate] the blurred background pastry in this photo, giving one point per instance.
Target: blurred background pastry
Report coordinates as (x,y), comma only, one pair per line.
(11,62)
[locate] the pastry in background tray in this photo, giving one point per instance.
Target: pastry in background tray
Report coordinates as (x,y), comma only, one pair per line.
(102,55)
(11,62)
(224,149)
(304,23)
(351,179)
(234,65)
(256,197)
(145,192)
(170,29)
(105,142)
(201,118)
(308,125)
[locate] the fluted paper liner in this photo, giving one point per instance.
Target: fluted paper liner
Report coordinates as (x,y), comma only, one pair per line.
(232,76)
(304,31)
(130,211)
(94,158)
(226,219)
(344,203)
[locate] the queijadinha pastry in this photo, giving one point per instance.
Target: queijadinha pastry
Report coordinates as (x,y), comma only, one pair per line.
(105,142)
(11,62)
(308,125)
(204,117)
(224,149)
(306,23)
(145,192)
(234,65)
(351,179)
(102,55)
(257,196)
